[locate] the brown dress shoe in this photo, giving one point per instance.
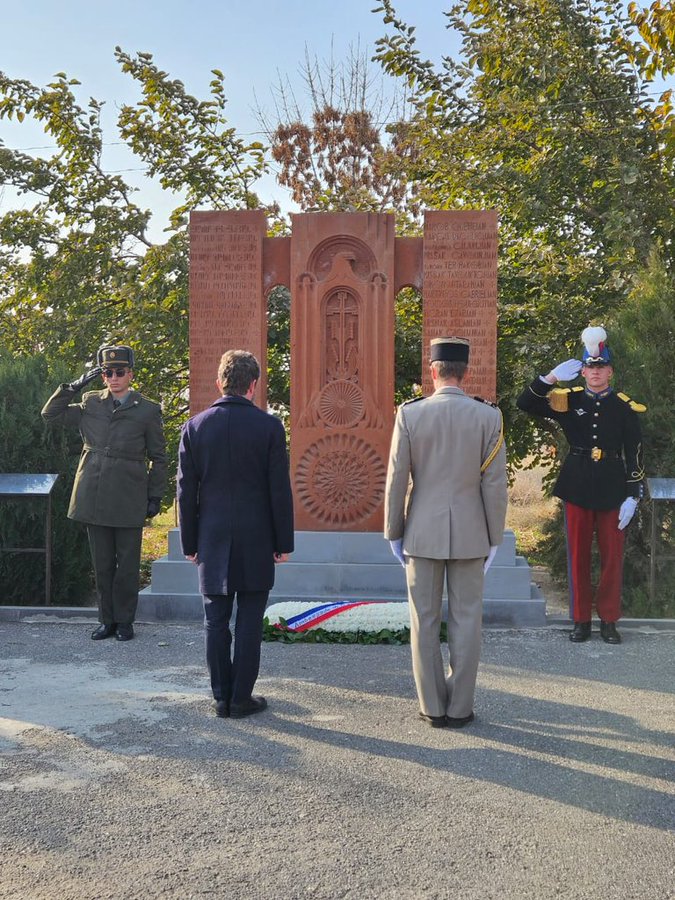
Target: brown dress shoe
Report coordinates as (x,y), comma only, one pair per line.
(580,632)
(608,633)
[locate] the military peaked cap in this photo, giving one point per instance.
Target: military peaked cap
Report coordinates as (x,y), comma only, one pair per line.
(119,355)
(449,349)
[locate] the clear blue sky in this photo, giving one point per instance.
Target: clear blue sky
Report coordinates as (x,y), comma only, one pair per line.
(252,42)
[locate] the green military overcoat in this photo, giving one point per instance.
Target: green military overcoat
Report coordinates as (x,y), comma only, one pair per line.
(123,460)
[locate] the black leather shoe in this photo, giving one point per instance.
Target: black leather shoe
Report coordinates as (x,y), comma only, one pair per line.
(580,632)
(221,709)
(254,705)
(125,632)
(608,633)
(103,631)
(461,721)
(434,721)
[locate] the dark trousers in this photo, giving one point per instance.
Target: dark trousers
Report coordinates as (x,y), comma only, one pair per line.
(116,554)
(233,676)
(581,525)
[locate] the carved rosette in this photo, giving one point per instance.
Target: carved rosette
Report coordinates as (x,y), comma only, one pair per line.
(340,480)
(341,404)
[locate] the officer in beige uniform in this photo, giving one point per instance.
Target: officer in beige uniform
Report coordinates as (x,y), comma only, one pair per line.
(445,508)
(120,479)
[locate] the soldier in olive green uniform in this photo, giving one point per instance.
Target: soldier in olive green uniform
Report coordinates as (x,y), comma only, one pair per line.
(115,489)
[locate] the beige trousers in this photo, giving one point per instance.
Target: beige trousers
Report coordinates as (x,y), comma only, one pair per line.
(440,694)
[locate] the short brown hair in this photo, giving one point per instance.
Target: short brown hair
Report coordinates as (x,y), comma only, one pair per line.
(237,371)
(449,369)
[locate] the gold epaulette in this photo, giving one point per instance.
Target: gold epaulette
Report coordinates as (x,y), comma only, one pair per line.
(412,400)
(559,398)
(634,405)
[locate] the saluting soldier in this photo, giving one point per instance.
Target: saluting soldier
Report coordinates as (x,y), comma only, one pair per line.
(445,509)
(120,479)
(601,478)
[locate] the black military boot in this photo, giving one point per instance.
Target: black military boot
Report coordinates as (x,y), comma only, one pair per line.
(580,632)
(608,633)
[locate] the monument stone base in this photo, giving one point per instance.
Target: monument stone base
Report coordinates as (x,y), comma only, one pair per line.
(343,565)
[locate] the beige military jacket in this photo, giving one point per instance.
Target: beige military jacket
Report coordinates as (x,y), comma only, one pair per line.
(446,490)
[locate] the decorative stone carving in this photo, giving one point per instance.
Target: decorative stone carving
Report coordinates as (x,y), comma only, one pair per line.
(339,480)
(342,324)
(343,270)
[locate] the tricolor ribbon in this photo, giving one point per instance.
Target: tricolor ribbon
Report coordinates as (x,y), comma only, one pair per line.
(310,617)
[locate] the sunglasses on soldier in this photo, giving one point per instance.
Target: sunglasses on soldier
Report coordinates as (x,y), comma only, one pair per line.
(121,372)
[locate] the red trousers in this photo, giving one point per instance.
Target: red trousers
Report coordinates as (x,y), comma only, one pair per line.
(581,524)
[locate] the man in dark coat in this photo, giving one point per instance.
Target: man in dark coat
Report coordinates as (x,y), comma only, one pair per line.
(115,489)
(601,478)
(236,522)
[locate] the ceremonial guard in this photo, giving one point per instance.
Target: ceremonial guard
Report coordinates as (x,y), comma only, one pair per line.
(601,478)
(444,513)
(120,479)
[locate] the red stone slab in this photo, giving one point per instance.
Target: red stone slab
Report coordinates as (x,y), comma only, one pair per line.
(227,303)
(408,270)
(342,370)
(460,291)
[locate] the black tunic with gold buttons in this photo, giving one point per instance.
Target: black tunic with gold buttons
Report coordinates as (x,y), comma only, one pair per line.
(604,463)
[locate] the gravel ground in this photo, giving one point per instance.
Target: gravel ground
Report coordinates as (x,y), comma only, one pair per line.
(117,781)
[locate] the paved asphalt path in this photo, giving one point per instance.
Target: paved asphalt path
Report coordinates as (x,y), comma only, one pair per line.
(117,781)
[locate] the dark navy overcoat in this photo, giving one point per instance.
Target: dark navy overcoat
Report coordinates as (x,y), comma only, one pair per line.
(234,495)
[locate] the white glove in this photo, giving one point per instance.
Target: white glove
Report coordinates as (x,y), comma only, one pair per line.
(488,561)
(397,550)
(565,371)
(627,511)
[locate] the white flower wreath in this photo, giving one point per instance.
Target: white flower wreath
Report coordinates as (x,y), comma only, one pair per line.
(369,617)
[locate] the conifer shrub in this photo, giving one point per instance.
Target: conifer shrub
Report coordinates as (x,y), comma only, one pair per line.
(644,337)
(27,445)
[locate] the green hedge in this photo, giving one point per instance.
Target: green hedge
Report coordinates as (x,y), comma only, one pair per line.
(27,446)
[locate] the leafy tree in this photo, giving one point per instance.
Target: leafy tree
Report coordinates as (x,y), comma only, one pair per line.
(655,52)
(544,117)
(348,153)
(77,267)
(549,116)
(279,352)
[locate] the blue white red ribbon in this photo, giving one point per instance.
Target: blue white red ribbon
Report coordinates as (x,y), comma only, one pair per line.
(312,617)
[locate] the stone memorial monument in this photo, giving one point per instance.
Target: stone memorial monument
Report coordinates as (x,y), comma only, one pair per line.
(343,271)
